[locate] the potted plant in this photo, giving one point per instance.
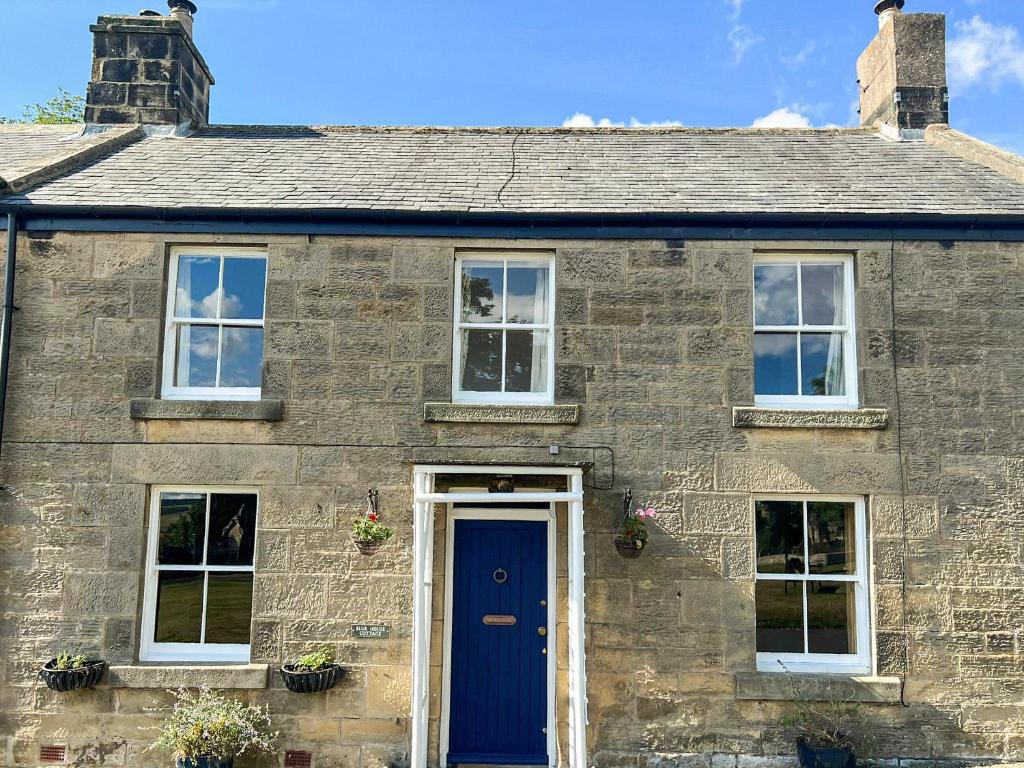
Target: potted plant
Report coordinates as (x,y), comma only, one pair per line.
(632,535)
(207,730)
(368,532)
(828,728)
(312,673)
(66,672)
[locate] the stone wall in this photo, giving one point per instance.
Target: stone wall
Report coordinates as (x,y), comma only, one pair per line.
(654,342)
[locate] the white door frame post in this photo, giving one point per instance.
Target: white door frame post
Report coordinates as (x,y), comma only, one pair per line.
(424,497)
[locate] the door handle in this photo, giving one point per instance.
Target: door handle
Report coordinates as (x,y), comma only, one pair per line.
(542,631)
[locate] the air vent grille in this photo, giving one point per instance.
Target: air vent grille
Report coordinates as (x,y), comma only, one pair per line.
(52,753)
(298,758)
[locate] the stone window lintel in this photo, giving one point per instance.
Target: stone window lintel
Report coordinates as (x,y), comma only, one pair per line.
(266,409)
(501,414)
(165,676)
(808,418)
(778,686)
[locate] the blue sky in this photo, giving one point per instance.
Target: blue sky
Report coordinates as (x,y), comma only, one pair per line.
(537,62)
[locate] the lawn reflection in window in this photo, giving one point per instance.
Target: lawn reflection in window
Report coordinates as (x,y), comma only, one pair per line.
(803,331)
(202,577)
(810,587)
(503,330)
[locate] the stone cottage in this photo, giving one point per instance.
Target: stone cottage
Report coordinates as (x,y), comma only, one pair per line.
(802,348)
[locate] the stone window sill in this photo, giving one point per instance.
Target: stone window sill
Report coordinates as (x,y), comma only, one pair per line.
(777,686)
(228,410)
(501,414)
(241,676)
(806,418)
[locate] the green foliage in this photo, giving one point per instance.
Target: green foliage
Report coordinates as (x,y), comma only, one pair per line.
(367,528)
(63,109)
(66,661)
(205,724)
(634,530)
(316,660)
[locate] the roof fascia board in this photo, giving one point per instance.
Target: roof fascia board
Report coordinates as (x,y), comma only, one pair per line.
(523,226)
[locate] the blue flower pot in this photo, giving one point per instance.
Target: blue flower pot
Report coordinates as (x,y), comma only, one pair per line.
(204,762)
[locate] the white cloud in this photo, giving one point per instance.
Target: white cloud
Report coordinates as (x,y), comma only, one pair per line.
(798,59)
(783,117)
(583,120)
(742,38)
(735,8)
(980,50)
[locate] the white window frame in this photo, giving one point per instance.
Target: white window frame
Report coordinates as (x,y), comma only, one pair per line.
(547,397)
(169,390)
(848,329)
(150,650)
(859,663)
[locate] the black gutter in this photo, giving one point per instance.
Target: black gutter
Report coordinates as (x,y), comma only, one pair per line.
(8,314)
(668,226)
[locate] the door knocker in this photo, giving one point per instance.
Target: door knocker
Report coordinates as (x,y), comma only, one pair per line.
(500,576)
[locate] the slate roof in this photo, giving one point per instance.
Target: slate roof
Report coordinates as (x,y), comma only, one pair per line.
(22,145)
(629,171)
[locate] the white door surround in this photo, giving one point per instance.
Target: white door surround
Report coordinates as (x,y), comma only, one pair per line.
(424,498)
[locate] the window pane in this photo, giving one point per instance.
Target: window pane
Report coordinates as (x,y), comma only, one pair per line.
(527,295)
(831,536)
(779,607)
(197,356)
(232,529)
(196,290)
(229,608)
(780,530)
(831,617)
(775,364)
(822,363)
(822,288)
(241,363)
(182,525)
(179,607)
(244,288)
(526,361)
(481,292)
(481,361)
(775,294)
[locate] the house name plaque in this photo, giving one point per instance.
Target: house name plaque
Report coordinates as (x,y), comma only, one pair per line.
(372,631)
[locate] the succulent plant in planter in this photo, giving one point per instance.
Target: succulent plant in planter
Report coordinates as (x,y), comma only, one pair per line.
(207,730)
(632,535)
(66,672)
(313,672)
(368,532)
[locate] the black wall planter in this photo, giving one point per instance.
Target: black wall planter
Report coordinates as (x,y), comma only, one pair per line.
(825,757)
(204,762)
(311,682)
(70,679)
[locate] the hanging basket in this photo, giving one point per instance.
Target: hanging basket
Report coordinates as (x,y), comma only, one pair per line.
(311,682)
(629,549)
(71,679)
(368,546)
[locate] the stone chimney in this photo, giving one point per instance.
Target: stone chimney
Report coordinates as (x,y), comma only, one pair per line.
(146,69)
(902,74)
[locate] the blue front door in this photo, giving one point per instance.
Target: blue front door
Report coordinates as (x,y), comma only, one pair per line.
(498,703)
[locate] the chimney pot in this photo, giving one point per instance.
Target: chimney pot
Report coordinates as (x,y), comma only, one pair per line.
(182,11)
(886,9)
(149,12)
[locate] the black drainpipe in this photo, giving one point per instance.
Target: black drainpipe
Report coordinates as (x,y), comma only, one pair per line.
(5,330)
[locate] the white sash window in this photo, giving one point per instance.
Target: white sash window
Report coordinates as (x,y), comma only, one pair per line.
(804,340)
(503,348)
(213,340)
